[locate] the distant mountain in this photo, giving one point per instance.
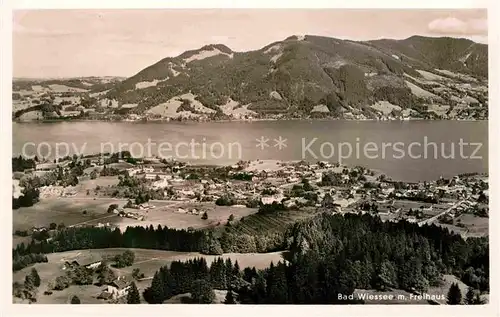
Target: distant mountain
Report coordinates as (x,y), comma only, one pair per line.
(297,77)
(300,72)
(93,83)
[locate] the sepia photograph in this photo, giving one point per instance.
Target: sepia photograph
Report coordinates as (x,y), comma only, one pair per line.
(250,156)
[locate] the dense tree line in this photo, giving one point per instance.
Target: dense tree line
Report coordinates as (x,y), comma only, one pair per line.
(116,157)
(19,164)
(369,253)
(161,238)
(19,262)
(304,281)
(225,200)
(110,171)
(334,255)
(407,255)
(27,290)
(242,176)
(30,196)
(192,276)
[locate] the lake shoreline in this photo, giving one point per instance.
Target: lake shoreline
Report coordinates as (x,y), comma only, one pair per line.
(243,120)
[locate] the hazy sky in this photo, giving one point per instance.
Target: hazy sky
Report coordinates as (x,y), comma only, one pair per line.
(69,43)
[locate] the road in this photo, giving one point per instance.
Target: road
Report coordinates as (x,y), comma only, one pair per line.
(173,204)
(96,219)
(429,220)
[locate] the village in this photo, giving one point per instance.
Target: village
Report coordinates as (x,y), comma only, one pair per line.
(151,191)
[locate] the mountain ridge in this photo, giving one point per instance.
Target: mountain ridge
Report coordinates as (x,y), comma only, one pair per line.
(304,70)
(297,76)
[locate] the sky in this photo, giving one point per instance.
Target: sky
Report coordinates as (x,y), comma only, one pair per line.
(74,43)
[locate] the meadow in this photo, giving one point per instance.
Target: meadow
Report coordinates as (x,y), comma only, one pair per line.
(147,261)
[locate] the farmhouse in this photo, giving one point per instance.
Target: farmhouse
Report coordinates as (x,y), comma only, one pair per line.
(45,166)
(133,171)
(153,175)
(70,265)
(162,183)
(148,170)
(38,229)
(93,265)
(118,288)
(146,206)
(267,200)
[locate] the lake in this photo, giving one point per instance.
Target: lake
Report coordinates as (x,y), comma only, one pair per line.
(403,150)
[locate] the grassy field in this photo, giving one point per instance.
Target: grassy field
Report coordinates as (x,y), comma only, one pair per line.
(476,226)
(90,185)
(148,261)
(473,226)
(174,215)
(66,210)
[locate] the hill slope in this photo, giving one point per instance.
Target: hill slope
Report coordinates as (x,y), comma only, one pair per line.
(295,75)
(309,76)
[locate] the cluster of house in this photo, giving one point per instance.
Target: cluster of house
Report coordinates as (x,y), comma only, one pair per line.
(132,215)
(74,264)
(129,214)
(116,289)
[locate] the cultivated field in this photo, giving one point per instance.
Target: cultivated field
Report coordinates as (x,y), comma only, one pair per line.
(178,215)
(148,261)
(476,226)
(90,185)
(70,211)
(259,223)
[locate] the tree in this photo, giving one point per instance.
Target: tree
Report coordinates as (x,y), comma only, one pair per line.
(125,259)
(61,283)
(155,294)
(205,216)
(112,207)
(478,300)
(454,295)
(35,277)
(128,257)
(53,226)
(81,276)
(29,282)
(106,275)
(387,276)
(136,273)
(133,296)
(231,218)
(277,288)
(328,201)
(75,300)
(202,293)
(229,297)
(469,296)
